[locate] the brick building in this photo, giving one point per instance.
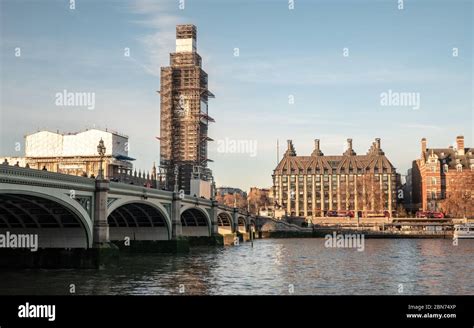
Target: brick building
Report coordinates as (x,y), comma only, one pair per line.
(310,186)
(443,179)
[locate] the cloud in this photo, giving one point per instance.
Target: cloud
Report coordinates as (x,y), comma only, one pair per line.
(305,71)
(156,16)
(421,126)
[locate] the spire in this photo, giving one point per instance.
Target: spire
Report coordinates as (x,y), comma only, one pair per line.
(153,172)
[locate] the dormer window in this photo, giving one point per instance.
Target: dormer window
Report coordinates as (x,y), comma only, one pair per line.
(459,167)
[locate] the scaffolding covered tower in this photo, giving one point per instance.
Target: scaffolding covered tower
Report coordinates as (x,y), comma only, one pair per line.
(184,114)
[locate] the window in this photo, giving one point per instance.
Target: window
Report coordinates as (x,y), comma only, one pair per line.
(459,167)
(472,167)
(445,168)
(433,168)
(433,181)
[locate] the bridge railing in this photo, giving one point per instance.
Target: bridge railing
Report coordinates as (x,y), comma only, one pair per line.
(14,174)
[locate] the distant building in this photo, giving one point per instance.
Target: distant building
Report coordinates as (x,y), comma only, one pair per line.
(184,117)
(310,186)
(408,192)
(76,153)
(222,191)
(443,179)
(261,201)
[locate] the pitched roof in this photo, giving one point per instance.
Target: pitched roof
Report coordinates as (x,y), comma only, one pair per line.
(451,157)
(374,161)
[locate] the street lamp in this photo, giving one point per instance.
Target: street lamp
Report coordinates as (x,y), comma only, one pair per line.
(101,150)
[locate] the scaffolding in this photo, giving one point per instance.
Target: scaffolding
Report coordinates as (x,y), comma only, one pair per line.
(184,114)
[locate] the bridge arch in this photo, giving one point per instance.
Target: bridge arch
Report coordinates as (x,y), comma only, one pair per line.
(195,221)
(225,223)
(242,223)
(138,220)
(58,220)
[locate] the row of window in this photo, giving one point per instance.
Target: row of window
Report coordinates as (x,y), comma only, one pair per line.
(446,168)
(326,171)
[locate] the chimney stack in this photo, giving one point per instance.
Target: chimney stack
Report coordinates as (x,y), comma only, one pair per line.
(460,145)
(349,151)
(349,144)
(290,151)
(423,145)
(317,150)
(377,143)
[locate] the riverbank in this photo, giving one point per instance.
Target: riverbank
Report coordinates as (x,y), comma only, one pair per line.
(370,228)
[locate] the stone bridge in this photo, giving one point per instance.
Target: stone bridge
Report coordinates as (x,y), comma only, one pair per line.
(70,212)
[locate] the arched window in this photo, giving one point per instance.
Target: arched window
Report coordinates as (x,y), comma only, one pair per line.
(459,167)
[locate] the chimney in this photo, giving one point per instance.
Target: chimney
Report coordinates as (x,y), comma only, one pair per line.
(349,151)
(349,144)
(290,151)
(317,150)
(423,145)
(460,145)
(377,143)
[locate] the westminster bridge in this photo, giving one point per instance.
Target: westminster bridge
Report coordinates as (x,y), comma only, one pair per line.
(72,212)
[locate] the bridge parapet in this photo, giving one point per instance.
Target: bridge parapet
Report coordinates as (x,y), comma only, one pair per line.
(27,176)
(135,190)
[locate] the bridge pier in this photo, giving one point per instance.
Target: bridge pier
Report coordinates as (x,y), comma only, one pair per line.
(101,227)
(103,252)
(176,227)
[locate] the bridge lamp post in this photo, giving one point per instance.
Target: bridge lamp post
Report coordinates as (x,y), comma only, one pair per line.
(101,150)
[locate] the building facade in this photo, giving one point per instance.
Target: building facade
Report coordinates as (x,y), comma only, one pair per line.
(310,186)
(443,179)
(184,114)
(76,153)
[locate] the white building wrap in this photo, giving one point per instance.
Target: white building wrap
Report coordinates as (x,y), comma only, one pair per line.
(49,144)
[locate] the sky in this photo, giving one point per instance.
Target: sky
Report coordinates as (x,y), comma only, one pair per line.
(301,71)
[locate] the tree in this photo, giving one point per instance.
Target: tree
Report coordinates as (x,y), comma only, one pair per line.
(458,202)
(232,200)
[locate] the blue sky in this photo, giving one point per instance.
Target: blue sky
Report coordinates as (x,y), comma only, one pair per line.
(282,52)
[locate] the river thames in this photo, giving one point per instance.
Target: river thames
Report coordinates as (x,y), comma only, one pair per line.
(271,266)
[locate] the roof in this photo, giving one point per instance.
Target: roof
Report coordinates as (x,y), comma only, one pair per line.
(374,161)
(451,156)
(124,158)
